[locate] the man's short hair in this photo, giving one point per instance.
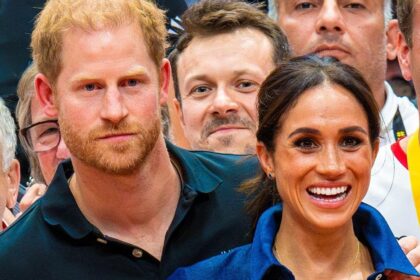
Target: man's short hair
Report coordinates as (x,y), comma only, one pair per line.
(61,15)
(213,17)
(273,10)
(405,19)
(25,92)
(7,136)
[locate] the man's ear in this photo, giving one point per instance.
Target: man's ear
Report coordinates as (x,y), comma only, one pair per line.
(45,96)
(13,179)
(392,38)
(164,78)
(265,158)
(404,57)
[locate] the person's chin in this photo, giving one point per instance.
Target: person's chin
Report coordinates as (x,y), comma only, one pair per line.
(234,143)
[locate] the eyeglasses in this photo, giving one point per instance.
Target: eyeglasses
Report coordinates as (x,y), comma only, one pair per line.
(42,136)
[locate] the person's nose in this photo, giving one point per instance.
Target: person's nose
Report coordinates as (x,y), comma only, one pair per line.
(331,164)
(224,102)
(330,18)
(113,107)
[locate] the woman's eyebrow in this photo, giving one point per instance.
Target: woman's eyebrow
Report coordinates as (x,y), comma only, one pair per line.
(306,130)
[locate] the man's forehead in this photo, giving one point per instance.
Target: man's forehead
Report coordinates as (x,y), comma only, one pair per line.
(234,36)
(122,47)
(231,42)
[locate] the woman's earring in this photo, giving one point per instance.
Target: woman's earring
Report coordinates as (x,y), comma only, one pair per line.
(270,176)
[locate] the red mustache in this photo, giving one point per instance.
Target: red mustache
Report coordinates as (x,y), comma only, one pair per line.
(109,130)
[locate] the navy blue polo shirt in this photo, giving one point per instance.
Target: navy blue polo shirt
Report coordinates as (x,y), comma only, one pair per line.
(53,240)
(256,261)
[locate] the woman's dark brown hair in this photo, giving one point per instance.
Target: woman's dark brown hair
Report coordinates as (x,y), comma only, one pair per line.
(278,95)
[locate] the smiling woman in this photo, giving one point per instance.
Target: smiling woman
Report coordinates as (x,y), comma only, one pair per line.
(317,141)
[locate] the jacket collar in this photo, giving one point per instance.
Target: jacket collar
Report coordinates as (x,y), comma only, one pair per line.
(195,172)
(59,207)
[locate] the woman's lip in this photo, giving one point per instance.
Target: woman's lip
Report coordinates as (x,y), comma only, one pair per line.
(329,184)
(315,190)
(329,201)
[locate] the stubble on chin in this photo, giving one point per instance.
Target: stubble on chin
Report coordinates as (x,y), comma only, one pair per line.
(112,158)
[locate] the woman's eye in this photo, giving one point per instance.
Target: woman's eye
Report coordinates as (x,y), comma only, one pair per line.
(306,144)
(305,5)
(351,142)
(355,6)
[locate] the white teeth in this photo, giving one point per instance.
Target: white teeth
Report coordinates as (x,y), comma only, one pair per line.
(328,191)
(337,198)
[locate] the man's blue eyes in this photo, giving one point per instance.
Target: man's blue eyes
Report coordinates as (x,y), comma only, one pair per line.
(90,87)
(132,83)
(129,83)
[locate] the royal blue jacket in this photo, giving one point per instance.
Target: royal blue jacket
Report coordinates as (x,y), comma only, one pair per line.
(256,260)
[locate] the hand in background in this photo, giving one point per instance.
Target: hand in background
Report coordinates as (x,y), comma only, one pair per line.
(33,193)
(411,247)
